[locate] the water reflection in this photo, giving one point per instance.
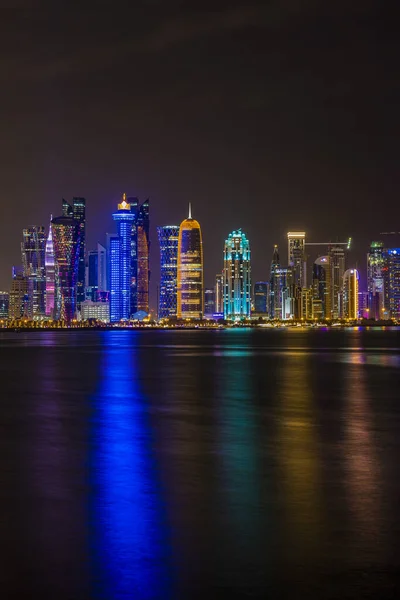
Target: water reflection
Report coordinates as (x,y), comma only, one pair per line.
(239,473)
(129,524)
(363,485)
(299,456)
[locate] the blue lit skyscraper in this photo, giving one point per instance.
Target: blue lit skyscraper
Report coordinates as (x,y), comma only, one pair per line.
(237,279)
(392,282)
(120,263)
(168,236)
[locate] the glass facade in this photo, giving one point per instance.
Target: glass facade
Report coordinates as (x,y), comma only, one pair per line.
(261,295)
(190,296)
(337,261)
(219,293)
(322,285)
(168,237)
(297,257)
(50,276)
(4,304)
(33,262)
(375,279)
(350,294)
(140,256)
(120,263)
(237,276)
(66,240)
(274,287)
(392,283)
(209,303)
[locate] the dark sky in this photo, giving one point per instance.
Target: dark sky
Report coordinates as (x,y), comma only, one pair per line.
(266,116)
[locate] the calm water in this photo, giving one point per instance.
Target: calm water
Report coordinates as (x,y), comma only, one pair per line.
(188,465)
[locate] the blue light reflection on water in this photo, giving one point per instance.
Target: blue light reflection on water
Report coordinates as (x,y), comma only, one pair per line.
(130,536)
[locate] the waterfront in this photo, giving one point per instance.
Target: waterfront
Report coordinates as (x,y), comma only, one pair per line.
(193,464)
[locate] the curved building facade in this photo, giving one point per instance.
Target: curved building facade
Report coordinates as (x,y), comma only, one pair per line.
(168,237)
(237,276)
(190,294)
(350,294)
(66,240)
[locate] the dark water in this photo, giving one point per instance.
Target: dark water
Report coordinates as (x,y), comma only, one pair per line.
(188,465)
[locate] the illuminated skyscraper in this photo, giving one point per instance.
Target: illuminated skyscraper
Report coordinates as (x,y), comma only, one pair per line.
(18,296)
(4,304)
(50,275)
(297,257)
(120,263)
(190,296)
(143,256)
(274,293)
(392,283)
(375,279)
(261,295)
(209,303)
(33,261)
(237,276)
(350,294)
(77,211)
(337,261)
(168,237)
(322,285)
(219,293)
(66,239)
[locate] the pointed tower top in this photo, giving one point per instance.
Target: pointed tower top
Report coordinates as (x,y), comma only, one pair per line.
(190,210)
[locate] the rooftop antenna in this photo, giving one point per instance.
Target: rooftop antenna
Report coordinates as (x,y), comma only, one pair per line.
(190,210)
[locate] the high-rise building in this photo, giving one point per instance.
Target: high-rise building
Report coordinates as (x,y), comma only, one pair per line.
(363,305)
(209,303)
(143,257)
(261,296)
(297,257)
(275,287)
(120,263)
(50,268)
(306,304)
(101,268)
(219,293)
(4,304)
(92,279)
(190,293)
(350,294)
(375,279)
(337,262)
(168,236)
(18,297)
(322,285)
(237,276)
(33,262)
(392,283)
(77,211)
(66,240)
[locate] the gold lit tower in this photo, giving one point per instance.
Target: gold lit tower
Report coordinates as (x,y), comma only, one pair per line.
(190,296)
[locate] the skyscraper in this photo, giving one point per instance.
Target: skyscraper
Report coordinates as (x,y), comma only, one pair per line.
(209,303)
(261,295)
(190,294)
(322,285)
(18,295)
(66,240)
(140,256)
(219,293)
(50,274)
(237,276)
(392,283)
(274,287)
(102,268)
(4,304)
(168,237)
(350,294)
(375,279)
(297,257)
(77,211)
(337,261)
(33,261)
(92,283)
(120,263)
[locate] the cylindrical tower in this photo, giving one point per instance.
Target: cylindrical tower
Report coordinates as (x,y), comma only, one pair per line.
(350,294)
(190,296)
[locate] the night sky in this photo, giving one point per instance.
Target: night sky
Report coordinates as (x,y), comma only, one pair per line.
(266,116)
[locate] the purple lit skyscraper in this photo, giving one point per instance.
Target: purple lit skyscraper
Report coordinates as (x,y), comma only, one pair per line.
(50,274)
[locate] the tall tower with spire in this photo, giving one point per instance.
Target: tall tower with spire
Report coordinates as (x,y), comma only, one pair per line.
(50,274)
(120,263)
(190,287)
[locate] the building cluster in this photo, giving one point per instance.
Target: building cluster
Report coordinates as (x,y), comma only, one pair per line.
(60,280)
